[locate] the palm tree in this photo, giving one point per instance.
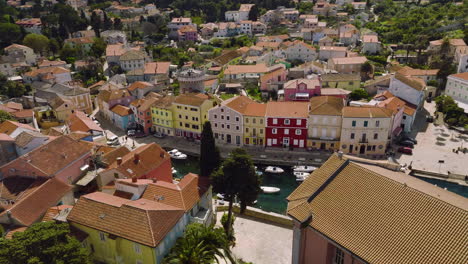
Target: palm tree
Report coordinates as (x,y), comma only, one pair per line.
(200,245)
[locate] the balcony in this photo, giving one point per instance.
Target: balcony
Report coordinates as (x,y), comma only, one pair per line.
(363,140)
(202,217)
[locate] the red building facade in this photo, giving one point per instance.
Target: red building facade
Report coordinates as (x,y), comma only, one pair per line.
(286,124)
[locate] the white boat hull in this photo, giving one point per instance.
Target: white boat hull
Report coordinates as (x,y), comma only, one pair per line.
(267,189)
(271,169)
(304,168)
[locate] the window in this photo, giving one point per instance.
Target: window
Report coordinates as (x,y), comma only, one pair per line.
(187,125)
(237,127)
(339,256)
(353,123)
(254,120)
(216,124)
(366,123)
(287,121)
(136,248)
(222,110)
(261,121)
(377,123)
(222,117)
(275,121)
(102,236)
(352,135)
(246,130)
(286,131)
(376,136)
(298,132)
(274,131)
(298,122)
(215,116)
(222,125)
(180,116)
(228,126)
(237,119)
(246,120)
(261,130)
(227,117)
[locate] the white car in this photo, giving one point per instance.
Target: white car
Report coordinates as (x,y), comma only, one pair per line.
(131,132)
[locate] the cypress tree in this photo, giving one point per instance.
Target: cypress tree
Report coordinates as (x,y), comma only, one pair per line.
(209,153)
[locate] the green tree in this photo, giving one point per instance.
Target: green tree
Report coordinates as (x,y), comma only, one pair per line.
(237,178)
(209,153)
(68,53)
(45,242)
(39,43)
(200,245)
(98,48)
(4,116)
(9,34)
(358,94)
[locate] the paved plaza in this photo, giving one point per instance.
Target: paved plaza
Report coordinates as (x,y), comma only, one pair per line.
(436,143)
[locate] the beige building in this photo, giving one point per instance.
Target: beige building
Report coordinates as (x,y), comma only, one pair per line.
(324,124)
(365,130)
(347,64)
(254,124)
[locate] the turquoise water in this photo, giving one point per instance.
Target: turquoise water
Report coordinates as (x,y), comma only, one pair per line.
(267,202)
(453,187)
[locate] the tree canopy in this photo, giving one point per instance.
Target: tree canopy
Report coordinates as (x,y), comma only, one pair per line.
(209,153)
(4,116)
(43,243)
(39,43)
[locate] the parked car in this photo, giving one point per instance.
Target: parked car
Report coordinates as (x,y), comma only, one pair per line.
(405,150)
(131,133)
(408,138)
(429,118)
(158,135)
(406,143)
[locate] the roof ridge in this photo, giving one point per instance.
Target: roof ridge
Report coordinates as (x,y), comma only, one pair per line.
(329,180)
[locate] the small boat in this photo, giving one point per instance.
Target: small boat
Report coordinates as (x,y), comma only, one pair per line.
(268,189)
(179,156)
(174,151)
(301,174)
(174,171)
(273,169)
(220,196)
(302,178)
(304,168)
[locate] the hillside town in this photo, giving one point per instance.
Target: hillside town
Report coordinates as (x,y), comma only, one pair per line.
(244,132)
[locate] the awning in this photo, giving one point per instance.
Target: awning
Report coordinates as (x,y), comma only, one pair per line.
(305,95)
(397,131)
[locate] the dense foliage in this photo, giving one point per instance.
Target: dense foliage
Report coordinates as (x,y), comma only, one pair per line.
(213,10)
(209,153)
(4,116)
(416,24)
(200,245)
(453,114)
(43,243)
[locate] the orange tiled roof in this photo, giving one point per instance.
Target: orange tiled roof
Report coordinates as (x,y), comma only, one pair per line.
(463,75)
(121,110)
(48,72)
(150,157)
(78,121)
(160,67)
(184,194)
(33,206)
(349,60)
(326,105)
(385,217)
(8,127)
(54,211)
(238,103)
(138,85)
(287,109)
(142,221)
(237,69)
(366,111)
(191,99)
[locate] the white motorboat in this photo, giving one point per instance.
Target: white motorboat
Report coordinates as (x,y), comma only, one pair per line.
(220,196)
(179,156)
(301,173)
(273,169)
(268,189)
(174,151)
(304,168)
(174,171)
(302,178)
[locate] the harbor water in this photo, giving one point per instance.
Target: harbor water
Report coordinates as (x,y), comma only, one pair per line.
(287,183)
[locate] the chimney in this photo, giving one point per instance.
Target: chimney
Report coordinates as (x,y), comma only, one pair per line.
(134,179)
(154,180)
(340,154)
(119,160)
(136,157)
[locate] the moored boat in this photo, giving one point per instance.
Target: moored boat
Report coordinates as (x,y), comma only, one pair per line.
(269,189)
(304,168)
(273,169)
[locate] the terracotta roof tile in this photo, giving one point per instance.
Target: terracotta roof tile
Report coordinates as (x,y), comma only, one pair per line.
(191,99)
(237,69)
(142,221)
(5,137)
(287,109)
(184,194)
(54,211)
(366,111)
(349,60)
(150,157)
(386,217)
(160,67)
(78,121)
(326,105)
(8,127)
(413,82)
(121,110)
(463,75)
(238,103)
(33,206)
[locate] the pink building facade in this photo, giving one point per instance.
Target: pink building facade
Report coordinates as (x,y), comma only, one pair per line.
(301,89)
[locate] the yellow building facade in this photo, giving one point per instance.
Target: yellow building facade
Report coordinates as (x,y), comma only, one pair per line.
(162,116)
(190,111)
(254,125)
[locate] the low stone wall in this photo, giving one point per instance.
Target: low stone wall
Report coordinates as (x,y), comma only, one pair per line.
(260,215)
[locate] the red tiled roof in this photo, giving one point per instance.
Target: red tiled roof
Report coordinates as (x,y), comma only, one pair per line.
(160,67)
(8,127)
(80,122)
(121,110)
(32,207)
